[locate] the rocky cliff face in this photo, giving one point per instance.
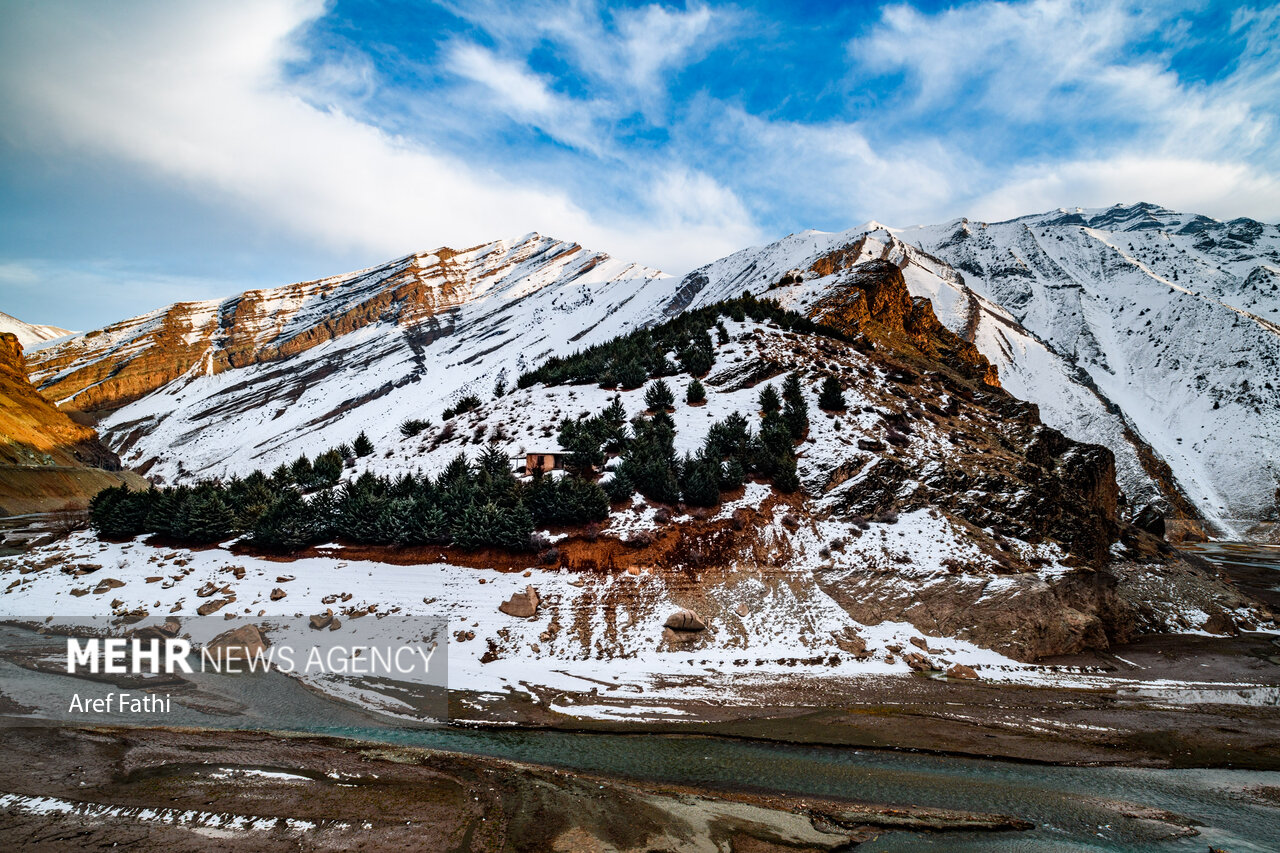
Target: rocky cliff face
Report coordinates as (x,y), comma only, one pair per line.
(32,430)
(873,299)
(46,459)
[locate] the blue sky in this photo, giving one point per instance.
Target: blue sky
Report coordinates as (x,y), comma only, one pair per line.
(156,151)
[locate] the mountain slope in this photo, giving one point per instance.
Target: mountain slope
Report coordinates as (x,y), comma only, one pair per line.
(801,269)
(30,336)
(1173,318)
(212,388)
(46,459)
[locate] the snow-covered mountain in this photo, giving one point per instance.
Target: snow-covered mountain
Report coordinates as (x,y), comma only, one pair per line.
(934,509)
(30,336)
(220,387)
(1172,318)
(1150,332)
(801,268)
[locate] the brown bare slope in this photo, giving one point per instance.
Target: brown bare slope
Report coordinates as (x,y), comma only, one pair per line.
(47,460)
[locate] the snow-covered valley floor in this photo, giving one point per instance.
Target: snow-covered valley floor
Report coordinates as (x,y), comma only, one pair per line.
(594,649)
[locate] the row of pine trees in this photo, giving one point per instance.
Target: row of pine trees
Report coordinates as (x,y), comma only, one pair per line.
(474,505)
(470,505)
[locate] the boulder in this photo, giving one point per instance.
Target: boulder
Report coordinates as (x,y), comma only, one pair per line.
(1220,622)
(208,589)
(918,662)
(521,605)
(678,637)
(1151,519)
(213,606)
(106,585)
(320,621)
(238,644)
(685,620)
(849,641)
(962,672)
(133,617)
(277,594)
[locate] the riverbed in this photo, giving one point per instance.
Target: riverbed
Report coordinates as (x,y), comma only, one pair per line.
(1101,808)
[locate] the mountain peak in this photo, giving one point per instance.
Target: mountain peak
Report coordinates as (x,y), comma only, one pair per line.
(29,335)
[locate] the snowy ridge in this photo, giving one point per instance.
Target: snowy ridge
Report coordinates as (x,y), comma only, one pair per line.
(31,337)
(270,374)
(1174,319)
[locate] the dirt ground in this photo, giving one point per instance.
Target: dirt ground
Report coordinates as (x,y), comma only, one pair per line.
(152,789)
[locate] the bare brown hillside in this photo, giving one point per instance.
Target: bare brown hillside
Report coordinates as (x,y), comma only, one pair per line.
(47,460)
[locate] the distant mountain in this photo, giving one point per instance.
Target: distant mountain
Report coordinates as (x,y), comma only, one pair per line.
(31,337)
(1172,318)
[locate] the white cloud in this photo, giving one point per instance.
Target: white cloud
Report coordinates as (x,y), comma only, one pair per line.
(1091,81)
(197,93)
(1076,64)
(656,39)
(624,51)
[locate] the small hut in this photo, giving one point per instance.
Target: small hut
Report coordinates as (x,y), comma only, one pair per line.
(546,460)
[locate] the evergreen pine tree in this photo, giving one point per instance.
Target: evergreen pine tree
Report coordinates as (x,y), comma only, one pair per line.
(732,476)
(475,525)
(695,394)
(785,478)
(698,360)
(323,516)
(286,525)
(630,374)
(795,410)
(359,516)
(362,445)
(515,528)
(620,487)
(392,520)
(494,478)
(730,438)
(327,469)
(700,481)
(301,472)
(585,500)
(208,516)
(769,401)
(831,397)
(658,396)
(117,513)
(249,498)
